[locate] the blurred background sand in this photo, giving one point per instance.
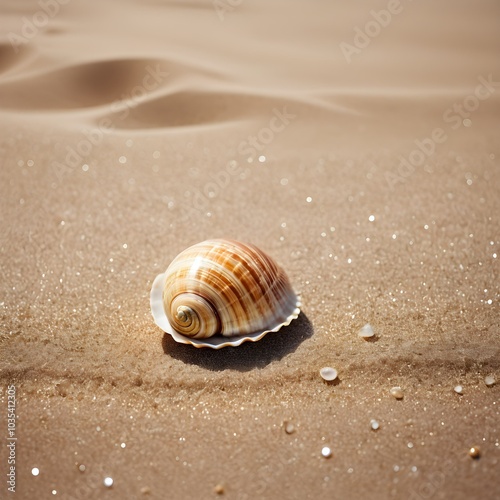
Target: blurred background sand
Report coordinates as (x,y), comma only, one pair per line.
(130,130)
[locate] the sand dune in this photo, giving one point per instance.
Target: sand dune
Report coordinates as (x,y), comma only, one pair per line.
(356,146)
(84,85)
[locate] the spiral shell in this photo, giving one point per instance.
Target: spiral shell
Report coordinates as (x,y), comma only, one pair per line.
(223,289)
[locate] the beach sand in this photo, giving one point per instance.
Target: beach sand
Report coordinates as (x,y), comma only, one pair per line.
(366,165)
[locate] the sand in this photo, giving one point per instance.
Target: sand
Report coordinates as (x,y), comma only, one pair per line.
(367,165)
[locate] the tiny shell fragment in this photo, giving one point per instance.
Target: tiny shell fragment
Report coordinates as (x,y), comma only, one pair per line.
(459,389)
(326,452)
(219,489)
(489,380)
(327,373)
(366,331)
(397,392)
(374,424)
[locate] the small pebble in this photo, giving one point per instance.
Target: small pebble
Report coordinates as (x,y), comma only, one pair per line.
(289,428)
(475,452)
(459,389)
(145,490)
(328,373)
(397,392)
(366,332)
(489,380)
(374,424)
(108,482)
(81,468)
(326,452)
(35,471)
(219,489)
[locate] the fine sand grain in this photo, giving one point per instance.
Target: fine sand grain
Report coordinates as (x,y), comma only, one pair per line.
(366,165)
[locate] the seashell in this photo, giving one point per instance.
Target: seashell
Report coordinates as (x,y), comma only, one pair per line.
(329,374)
(397,392)
(366,331)
(222,292)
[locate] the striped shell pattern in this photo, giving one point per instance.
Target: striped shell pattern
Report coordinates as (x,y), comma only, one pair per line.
(224,287)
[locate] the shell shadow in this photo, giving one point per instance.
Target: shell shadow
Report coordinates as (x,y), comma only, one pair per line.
(249,355)
(333,383)
(375,338)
